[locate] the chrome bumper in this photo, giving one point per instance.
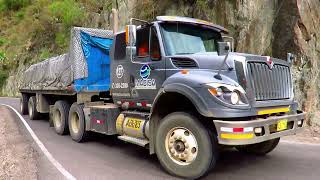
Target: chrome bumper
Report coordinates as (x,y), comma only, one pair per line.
(266,124)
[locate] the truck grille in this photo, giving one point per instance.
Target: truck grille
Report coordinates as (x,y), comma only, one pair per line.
(269,84)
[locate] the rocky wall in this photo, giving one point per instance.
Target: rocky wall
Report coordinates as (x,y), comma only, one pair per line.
(265,27)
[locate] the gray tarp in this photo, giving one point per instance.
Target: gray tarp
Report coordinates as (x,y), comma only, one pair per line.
(59,72)
(53,73)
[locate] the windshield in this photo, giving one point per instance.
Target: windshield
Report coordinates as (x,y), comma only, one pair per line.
(188,39)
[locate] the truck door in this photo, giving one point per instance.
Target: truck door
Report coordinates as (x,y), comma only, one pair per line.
(147,72)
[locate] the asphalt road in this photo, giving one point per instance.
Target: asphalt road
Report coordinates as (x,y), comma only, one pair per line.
(106,157)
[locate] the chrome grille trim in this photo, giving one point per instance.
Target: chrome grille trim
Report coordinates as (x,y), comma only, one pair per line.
(269,84)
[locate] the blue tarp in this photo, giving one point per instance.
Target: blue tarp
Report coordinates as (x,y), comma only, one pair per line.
(96,51)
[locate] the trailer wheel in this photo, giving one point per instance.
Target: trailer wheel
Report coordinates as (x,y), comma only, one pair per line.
(262,148)
(24,104)
(60,117)
(77,126)
(184,147)
(32,108)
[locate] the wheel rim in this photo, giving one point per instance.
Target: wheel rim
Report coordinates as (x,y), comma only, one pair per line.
(21,105)
(181,146)
(75,122)
(30,109)
(57,118)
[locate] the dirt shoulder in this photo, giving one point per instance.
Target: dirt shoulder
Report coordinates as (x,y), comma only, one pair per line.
(18,159)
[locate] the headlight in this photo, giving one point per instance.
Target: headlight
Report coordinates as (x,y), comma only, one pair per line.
(230,94)
(234,98)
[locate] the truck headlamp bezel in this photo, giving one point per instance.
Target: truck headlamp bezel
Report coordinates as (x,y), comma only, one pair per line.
(231,94)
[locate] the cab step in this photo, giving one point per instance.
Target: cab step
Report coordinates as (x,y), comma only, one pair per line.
(133,140)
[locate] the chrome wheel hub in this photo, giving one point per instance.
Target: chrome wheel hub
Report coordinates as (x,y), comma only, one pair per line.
(30,109)
(75,122)
(57,118)
(181,146)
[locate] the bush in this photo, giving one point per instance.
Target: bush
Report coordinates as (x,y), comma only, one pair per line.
(14,4)
(3,77)
(2,56)
(68,12)
(44,53)
(62,39)
(19,15)
(2,41)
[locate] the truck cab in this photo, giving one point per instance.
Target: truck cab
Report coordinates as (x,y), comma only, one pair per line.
(179,69)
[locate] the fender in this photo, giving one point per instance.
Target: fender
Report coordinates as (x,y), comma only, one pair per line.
(182,89)
(189,93)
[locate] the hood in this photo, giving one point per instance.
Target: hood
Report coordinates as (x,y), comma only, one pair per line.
(212,61)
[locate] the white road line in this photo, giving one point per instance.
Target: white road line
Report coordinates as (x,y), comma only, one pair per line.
(56,164)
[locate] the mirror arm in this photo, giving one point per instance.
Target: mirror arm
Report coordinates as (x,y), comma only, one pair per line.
(218,76)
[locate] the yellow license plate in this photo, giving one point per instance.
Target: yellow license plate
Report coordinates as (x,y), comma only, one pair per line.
(282,125)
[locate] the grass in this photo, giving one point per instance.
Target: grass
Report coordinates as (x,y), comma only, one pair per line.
(3,76)
(7,5)
(67,12)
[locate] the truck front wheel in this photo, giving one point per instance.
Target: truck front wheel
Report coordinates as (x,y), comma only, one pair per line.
(32,108)
(77,125)
(60,117)
(184,147)
(262,148)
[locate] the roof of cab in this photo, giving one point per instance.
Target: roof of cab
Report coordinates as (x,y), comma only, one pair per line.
(193,21)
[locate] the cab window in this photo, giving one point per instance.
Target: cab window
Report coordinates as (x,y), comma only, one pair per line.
(154,45)
(143,42)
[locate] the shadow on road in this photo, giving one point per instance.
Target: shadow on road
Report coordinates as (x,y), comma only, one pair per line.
(229,159)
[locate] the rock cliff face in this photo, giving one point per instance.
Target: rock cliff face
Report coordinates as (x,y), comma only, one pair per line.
(266,27)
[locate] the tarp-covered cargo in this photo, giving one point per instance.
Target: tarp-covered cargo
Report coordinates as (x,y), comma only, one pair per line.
(86,66)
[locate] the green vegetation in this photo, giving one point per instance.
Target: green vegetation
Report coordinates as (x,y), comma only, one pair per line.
(13,4)
(34,30)
(2,56)
(68,12)
(3,77)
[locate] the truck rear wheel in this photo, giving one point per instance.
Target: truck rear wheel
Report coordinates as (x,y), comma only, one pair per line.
(32,108)
(24,104)
(60,117)
(262,148)
(77,125)
(184,147)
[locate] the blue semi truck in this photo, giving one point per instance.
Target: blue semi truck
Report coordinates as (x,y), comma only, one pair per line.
(172,85)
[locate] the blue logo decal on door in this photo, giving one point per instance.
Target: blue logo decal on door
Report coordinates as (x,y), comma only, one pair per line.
(145,71)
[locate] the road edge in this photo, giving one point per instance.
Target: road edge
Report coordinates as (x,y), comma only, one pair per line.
(45,151)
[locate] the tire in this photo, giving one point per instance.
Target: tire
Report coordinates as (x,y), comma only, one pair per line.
(32,108)
(24,104)
(186,128)
(60,116)
(261,149)
(77,123)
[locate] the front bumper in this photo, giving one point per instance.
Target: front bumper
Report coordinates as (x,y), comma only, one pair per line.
(250,137)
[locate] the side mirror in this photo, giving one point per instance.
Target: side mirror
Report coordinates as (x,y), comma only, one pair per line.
(223,48)
(290,58)
(131,32)
(230,40)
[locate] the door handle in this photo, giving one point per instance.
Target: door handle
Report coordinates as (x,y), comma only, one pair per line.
(131,80)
